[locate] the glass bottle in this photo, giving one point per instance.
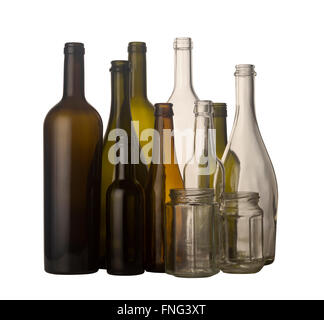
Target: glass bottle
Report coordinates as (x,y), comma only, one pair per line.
(219,115)
(164,175)
(242,232)
(72,164)
(119,111)
(141,108)
(183,99)
(246,160)
(125,196)
(200,169)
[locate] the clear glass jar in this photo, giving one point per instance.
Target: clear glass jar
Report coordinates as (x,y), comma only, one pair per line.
(242,233)
(192,229)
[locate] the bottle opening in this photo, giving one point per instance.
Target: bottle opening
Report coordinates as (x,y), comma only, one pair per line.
(136,46)
(182,43)
(193,195)
(163,109)
(120,65)
(203,107)
(74,48)
(245,70)
(219,109)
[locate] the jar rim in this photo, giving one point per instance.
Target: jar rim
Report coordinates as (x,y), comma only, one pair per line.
(240,195)
(193,195)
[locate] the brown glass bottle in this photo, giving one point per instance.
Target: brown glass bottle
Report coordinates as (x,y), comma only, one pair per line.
(72,165)
(164,174)
(125,196)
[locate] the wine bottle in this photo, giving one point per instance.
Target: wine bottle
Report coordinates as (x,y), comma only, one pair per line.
(164,174)
(117,112)
(141,108)
(183,99)
(219,116)
(125,196)
(72,165)
(247,164)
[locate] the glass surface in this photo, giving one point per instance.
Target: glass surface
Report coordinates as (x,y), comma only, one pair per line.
(72,163)
(162,177)
(125,196)
(243,233)
(183,99)
(246,161)
(192,222)
(219,119)
(141,108)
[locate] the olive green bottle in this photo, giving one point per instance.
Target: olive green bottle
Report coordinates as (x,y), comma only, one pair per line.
(219,119)
(141,108)
(125,196)
(72,164)
(163,176)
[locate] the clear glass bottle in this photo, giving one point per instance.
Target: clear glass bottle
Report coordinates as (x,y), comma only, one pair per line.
(219,116)
(183,99)
(242,233)
(246,160)
(192,227)
(199,171)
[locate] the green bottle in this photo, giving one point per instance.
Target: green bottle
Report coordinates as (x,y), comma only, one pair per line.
(141,108)
(219,118)
(120,117)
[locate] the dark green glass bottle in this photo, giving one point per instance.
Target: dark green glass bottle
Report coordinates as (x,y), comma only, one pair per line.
(72,164)
(141,108)
(125,196)
(219,115)
(119,113)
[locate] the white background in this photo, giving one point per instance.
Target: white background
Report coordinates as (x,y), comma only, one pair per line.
(284,39)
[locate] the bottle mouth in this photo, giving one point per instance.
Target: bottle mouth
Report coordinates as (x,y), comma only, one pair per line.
(220,109)
(193,195)
(120,66)
(244,70)
(203,107)
(163,110)
(74,48)
(182,43)
(137,46)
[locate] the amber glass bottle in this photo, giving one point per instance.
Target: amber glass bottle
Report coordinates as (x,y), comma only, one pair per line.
(125,196)
(164,174)
(72,163)
(119,113)
(219,119)
(141,108)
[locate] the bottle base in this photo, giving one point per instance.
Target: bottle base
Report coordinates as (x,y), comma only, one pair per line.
(242,268)
(71,273)
(127,273)
(268,261)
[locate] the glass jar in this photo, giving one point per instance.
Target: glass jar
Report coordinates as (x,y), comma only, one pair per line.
(242,233)
(192,233)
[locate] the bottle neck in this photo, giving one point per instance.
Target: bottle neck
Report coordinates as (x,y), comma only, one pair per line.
(183,70)
(120,109)
(138,74)
(221,135)
(73,75)
(163,141)
(245,110)
(202,137)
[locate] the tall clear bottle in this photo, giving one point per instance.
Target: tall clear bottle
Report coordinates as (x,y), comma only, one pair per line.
(141,108)
(199,171)
(246,160)
(183,99)
(72,164)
